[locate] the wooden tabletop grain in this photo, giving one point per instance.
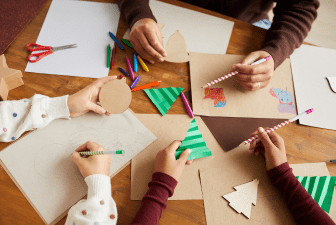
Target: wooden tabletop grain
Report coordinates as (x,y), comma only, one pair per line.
(303,144)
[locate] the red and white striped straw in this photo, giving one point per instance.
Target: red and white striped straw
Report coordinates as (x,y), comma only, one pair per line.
(220,79)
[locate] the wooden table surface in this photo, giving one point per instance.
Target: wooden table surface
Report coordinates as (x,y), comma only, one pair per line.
(303,144)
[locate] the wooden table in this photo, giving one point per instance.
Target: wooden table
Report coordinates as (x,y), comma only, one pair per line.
(303,144)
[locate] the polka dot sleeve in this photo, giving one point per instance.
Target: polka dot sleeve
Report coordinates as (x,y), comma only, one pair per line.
(99,208)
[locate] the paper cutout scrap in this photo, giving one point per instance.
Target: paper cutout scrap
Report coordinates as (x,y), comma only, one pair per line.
(115,96)
(176,49)
(163,98)
(332,83)
(285,100)
(217,95)
(242,199)
(127,33)
(195,142)
(320,188)
(11,78)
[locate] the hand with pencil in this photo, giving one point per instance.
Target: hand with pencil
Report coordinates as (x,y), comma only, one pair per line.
(269,145)
(253,76)
(94,164)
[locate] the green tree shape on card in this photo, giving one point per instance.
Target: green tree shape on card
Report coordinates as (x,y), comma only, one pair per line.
(320,188)
(195,142)
(163,98)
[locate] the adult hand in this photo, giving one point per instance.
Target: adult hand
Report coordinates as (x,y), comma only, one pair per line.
(86,99)
(95,164)
(166,162)
(254,77)
(146,38)
(271,146)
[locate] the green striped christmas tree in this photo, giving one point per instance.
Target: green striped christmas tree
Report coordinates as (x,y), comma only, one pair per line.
(163,98)
(320,188)
(195,142)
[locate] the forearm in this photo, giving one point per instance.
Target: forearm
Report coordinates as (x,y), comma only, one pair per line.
(154,202)
(302,206)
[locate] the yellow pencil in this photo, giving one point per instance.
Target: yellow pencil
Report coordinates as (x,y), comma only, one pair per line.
(143,64)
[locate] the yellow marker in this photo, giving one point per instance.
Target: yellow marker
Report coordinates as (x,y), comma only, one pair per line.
(143,64)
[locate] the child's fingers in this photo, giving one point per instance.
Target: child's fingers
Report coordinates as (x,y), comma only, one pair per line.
(83,147)
(173,147)
(96,108)
(76,158)
(264,138)
(184,156)
(252,146)
(103,80)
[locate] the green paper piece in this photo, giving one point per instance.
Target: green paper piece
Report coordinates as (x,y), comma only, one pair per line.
(195,142)
(163,98)
(320,188)
(127,43)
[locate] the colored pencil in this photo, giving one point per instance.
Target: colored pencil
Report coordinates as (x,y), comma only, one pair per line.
(114,53)
(135,82)
(116,41)
(235,72)
(118,152)
(135,63)
(124,72)
(281,125)
(143,65)
(187,105)
(108,56)
(126,42)
(130,68)
(147,85)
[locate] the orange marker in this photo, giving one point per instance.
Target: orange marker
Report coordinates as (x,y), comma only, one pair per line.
(147,85)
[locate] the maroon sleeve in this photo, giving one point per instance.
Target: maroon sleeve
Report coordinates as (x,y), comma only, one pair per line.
(302,206)
(134,10)
(154,202)
(291,23)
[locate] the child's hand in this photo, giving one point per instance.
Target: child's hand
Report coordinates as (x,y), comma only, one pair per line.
(166,162)
(271,146)
(95,164)
(86,99)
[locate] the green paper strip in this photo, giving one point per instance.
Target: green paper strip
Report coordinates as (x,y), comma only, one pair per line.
(163,98)
(127,43)
(320,188)
(195,142)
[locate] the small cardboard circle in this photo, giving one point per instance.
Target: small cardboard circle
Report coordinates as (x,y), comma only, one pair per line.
(115,96)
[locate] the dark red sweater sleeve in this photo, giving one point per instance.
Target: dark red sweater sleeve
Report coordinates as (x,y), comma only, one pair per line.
(302,206)
(154,202)
(291,23)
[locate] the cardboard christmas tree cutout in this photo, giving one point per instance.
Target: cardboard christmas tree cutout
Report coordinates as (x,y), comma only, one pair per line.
(163,98)
(242,199)
(195,142)
(320,188)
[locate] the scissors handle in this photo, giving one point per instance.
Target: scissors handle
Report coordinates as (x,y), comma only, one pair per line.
(35,47)
(38,56)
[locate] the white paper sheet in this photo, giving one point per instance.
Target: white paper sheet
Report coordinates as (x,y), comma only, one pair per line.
(202,33)
(41,161)
(310,67)
(86,24)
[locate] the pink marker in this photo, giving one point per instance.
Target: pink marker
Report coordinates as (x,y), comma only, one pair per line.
(187,105)
(130,68)
(281,125)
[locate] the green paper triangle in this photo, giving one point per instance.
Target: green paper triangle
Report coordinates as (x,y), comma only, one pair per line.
(195,142)
(320,188)
(163,98)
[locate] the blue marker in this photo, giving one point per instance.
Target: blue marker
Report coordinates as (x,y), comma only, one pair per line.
(135,63)
(135,82)
(116,41)
(124,72)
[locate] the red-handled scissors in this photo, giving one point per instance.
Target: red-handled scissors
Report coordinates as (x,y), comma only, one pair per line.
(35,47)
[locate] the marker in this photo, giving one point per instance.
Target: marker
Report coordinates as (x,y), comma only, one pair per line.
(116,41)
(147,85)
(144,67)
(135,82)
(187,105)
(124,72)
(108,56)
(235,72)
(114,53)
(127,43)
(118,152)
(333,160)
(130,68)
(281,125)
(135,63)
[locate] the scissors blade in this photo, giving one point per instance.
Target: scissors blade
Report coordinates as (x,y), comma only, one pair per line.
(64,47)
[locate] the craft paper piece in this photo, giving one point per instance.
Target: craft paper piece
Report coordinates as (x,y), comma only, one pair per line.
(240,102)
(163,98)
(195,142)
(285,100)
(3,90)
(176,49)
(217,95)
(15,15)
(320,188)
(242,199)
(310,66)
(84,23)
(332,83)
(202,33)
(47,176)
(270,209)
